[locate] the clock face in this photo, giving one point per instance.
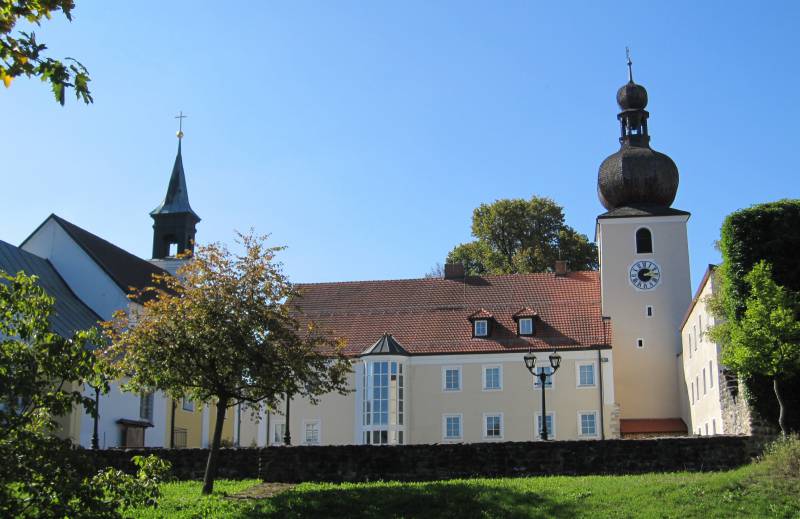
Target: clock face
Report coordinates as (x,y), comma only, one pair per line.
(644,274)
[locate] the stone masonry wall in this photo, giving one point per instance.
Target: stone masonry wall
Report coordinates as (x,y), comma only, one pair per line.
(432,462)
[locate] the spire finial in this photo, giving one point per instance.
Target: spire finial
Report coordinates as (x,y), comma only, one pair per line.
(630,64)
(180,117)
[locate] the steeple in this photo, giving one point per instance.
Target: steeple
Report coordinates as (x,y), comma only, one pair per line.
(174,220)
(636,175)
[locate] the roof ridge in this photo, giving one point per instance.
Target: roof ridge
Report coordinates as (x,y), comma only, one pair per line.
(459,280)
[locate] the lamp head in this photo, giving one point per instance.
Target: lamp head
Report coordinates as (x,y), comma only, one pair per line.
(555,360)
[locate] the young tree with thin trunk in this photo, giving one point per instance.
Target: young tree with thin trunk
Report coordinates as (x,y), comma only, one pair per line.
(766,339)
(222,332)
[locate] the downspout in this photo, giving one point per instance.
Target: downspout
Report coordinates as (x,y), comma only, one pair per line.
(172,426)
(602,410)
(239,424)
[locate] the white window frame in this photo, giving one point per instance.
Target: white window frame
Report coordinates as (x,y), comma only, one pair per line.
(697,385)
(445,369)
(689,337)
(578,365)
(551,432)
(319,431)
(596,424)
(499,368)
(705,388)
(693,399)
(460,437)
(710,373)
(519,325)
(639,343)
(536,385)
(486,437)
(190,407)
(485,328)
(274,426)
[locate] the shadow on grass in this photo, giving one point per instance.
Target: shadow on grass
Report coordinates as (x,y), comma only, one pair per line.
(436,499)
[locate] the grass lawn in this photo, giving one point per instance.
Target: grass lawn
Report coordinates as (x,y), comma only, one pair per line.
(746,492)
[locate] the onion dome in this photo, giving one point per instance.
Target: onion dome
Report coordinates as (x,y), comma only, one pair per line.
(636,175)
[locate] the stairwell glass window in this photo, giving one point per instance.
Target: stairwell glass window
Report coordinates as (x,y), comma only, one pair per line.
(451,378)
(481,328)
(383,409)
(548,382)
(492,378)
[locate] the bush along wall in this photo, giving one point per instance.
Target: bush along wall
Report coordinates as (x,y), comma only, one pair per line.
(433,462)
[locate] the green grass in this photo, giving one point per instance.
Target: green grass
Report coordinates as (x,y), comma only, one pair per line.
(746,492)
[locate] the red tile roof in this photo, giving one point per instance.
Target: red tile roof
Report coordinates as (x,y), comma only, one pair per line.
(525,312)
(652,425)
(429,316)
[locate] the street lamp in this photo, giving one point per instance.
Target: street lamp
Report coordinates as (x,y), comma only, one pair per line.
(530,363)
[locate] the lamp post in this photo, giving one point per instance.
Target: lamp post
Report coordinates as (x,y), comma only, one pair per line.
(530,363)
(95,437)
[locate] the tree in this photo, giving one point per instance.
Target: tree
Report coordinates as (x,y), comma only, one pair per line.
(22,54)
(521,236)
(222,331)
(768,232)
(766,339)
(40,378)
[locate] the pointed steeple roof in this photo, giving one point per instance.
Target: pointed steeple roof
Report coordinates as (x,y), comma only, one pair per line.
(386,345)
(177,198)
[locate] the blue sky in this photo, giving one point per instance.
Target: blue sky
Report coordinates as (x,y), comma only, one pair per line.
(363,134)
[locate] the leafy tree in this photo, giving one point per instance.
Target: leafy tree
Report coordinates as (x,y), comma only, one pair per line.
(222,332)
(23,55)
(521,236)
(40,378)
(768,232)
(766,339)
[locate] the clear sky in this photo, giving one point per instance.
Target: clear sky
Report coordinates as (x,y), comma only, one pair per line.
(363,134)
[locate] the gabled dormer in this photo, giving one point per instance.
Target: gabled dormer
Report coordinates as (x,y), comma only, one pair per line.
(482,323)
(525,319)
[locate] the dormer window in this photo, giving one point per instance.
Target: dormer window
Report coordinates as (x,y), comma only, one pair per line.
(481,328)
(524,319)
(481,322)
(525,325)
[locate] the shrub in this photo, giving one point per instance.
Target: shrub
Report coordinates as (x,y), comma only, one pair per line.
(123,491)
(781,458)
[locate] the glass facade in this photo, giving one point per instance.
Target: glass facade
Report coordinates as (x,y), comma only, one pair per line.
(383,411)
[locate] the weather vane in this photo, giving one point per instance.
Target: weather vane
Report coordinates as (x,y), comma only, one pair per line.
(180,117)
(630,64)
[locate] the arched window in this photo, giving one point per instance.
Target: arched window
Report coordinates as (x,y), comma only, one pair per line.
(644,241)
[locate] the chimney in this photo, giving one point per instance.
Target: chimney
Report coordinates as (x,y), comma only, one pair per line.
(561,268)
(454,271)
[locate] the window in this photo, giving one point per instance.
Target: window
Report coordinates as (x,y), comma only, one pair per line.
(706,428)
(694,332)
(451,427)
(710,374)
(640,343)
(451,378)
(492,378)
(586,374)
(713,426)
(551,429)
(311,432)
(689,339)
(383,408)
(146,406)
(493,426)
(481,328)
(525,326)
(587,423)
(705,390)
(649,311)
(692,393)
(644,241)
(697,385)
(278,433)
(548,382)
(179,438)
(700,325)
(187,405)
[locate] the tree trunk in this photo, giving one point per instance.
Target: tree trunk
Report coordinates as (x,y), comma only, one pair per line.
(781,406)
(211,466)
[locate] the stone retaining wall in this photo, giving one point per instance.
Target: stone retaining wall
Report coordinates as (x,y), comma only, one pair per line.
(432,462)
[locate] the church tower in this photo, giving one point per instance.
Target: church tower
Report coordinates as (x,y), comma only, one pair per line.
(644,269)
(174,220)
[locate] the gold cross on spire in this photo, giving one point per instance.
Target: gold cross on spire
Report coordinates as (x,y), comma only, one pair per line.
(180,117)
(630,64)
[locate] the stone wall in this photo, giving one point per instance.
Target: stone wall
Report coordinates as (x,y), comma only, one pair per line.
(738,415)
(432,462)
